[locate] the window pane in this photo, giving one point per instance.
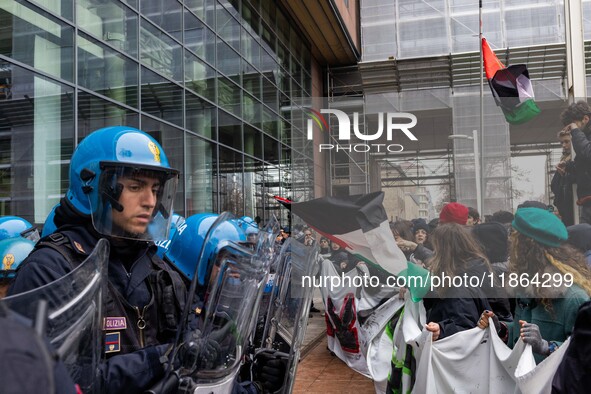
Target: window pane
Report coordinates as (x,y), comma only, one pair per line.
(228,61)
(164,13)
(107,72)
(228,27)
(231,181)
(200,116)
(204,9)
(199,38)
(36,139)
(271,150)
(229,130)
(160,52)
(229,95)
(253,142)
(201,159)
(172,141)
(161,97)
(95,113)
(110,21)
(199,77)
(37,39)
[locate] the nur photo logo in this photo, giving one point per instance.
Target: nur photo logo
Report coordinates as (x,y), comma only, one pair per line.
(388,122)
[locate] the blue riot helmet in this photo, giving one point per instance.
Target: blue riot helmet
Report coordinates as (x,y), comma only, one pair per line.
(121,178)
(251,229)
(12,252)
(176,222)
(14,226)
(187,242)
(49,226)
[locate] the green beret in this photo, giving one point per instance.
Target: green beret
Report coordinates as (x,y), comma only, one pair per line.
(540,225)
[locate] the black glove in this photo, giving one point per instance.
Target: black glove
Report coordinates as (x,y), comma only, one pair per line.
(270,369)
(199,352)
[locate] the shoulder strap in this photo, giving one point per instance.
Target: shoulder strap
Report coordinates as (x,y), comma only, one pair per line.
(61,244)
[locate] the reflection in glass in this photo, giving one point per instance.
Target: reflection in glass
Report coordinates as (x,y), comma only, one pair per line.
(107,72)
(109,20)
(37,138)
(254,196)
(229,95)
(199,38)
(200,116)
(201,159)
(161,98)
(229,130)
(164,13)
(37,39)
(231,192)
(199,77)
(172,141)
(160,52)
(95,113)
(253,142)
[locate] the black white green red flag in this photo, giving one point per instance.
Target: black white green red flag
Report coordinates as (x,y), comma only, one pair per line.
(510,86)
(359,224)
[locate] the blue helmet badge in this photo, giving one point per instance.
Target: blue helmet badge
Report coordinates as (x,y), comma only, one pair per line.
(12,253)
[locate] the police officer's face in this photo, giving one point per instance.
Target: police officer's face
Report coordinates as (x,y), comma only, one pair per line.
(138,198)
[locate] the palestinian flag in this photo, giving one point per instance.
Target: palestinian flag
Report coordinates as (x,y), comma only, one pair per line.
(510,87)
(358,223)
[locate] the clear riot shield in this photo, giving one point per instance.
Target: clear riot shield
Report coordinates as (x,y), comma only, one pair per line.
(232,296)
(288,312)
(74,313)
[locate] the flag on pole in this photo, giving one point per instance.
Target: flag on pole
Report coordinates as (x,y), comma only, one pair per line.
(510,86)
(358,223)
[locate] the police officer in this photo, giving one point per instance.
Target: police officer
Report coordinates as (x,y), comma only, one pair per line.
(12,253)
(121,188)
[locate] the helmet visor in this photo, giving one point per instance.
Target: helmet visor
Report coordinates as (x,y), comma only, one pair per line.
(134,202)
(233,292)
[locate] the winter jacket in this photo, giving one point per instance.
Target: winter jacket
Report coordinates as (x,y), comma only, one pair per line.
(556,324)
(574,372)
(458,308)
(581,165)
(562,187)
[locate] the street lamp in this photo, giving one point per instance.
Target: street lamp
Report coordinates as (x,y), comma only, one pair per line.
(474,139)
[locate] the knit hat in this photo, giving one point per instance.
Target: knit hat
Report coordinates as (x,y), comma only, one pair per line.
(454,213)
(418,224)
(542,226)
(494,239)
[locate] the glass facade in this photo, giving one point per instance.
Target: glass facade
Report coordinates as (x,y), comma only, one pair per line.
(214,81)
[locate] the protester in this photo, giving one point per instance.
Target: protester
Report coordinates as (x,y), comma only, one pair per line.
(340,258)
(454,309)
(454,213)
(576,120)
(325,250)
(503,217)
(473,217)
(579,236)
(545,315)
(574,372)
(494,240)
(562,183)
(420,229)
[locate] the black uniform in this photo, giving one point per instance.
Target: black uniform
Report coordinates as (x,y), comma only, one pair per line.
(141,307)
